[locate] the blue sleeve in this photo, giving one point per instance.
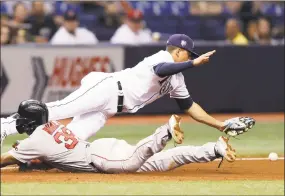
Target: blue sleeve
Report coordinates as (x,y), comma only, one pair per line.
(168,69)
(184,104)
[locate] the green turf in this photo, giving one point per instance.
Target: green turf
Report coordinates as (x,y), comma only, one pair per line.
(260,141)
(236,187)
(263,139)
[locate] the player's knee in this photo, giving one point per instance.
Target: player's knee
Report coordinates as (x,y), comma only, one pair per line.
(132,167)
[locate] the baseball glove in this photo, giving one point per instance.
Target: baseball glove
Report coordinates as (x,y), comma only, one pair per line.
(238,125)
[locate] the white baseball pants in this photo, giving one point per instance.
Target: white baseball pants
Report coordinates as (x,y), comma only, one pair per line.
(91,105)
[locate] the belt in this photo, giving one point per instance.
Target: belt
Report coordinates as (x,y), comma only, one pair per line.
(120,98)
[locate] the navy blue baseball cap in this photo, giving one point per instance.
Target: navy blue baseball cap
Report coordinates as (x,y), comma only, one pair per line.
(182,41)
(70,16)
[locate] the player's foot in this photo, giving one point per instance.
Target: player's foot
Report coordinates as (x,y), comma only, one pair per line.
(3,135)
(175,130)
(225,150)
(6,124)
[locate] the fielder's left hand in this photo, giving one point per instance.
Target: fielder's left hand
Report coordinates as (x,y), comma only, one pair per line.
(238,125)
(204,58)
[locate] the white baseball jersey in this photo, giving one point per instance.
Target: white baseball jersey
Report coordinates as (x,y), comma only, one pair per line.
(142,86)
(97,98)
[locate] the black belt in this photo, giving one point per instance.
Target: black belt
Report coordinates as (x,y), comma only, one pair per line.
(120,98)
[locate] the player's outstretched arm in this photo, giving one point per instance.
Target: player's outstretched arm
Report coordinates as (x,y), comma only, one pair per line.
(8,159)
(233,127)
(168,69)
(200,115)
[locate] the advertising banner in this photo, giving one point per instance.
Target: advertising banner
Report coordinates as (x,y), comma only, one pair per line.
(50,73)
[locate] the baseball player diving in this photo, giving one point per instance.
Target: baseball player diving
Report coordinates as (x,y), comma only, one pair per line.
(102,95)
(56,146)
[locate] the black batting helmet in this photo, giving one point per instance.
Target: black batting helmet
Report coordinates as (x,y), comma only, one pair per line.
(30,115)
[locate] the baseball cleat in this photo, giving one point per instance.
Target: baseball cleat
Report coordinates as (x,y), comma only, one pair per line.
(225,150)
(175,129)
(5,126)
(3,131)
(3,136)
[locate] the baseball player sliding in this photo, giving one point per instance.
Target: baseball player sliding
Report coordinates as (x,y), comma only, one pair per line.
(102,95)
(55,145)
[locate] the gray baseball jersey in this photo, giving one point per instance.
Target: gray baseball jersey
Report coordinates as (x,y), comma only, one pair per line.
(57,146)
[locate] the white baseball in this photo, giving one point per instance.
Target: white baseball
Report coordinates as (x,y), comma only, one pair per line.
(273,156)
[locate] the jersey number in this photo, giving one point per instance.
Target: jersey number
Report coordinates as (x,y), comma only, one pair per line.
(65,136)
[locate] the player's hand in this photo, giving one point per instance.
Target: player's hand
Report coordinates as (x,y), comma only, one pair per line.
(204,58)
(238,125)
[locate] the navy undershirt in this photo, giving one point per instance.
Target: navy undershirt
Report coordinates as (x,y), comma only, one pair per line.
(184,104)
(168,69)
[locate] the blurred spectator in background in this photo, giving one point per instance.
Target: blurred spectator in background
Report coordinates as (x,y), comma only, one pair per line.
(62,7)
(132,32)
(234,34)
(4,19)
(70,34)
(20,15)
(165,17)
(22,37)
(19,24)
(215,8)
(43,26)
(109,12)
(5,35)
(206,8)
(111,15)
(264,32)
(28,4)
(4,15)
(251,31)
(233,7)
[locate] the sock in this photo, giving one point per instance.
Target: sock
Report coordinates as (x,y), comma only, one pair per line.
(169,134)
(218,155)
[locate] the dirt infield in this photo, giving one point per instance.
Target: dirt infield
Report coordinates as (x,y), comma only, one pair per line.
(239,170)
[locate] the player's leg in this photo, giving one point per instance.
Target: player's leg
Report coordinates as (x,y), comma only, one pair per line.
(91,96)
(87,125)
(132,158)
(179,156)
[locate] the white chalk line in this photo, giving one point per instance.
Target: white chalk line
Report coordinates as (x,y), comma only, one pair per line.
(253,159)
